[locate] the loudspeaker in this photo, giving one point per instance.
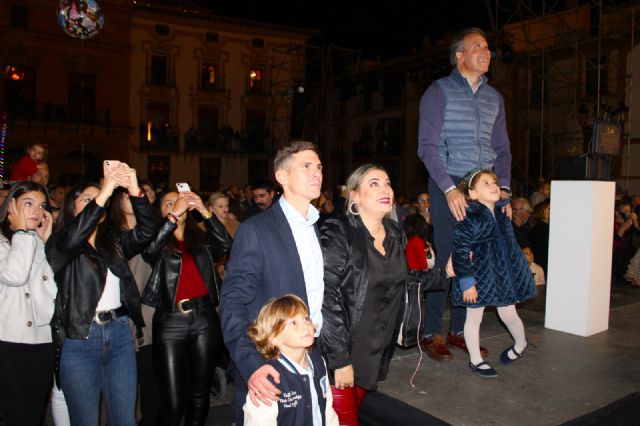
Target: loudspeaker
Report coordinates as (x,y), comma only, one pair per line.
(606,138)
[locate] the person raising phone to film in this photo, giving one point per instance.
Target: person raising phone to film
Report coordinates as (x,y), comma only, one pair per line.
(183,288)
(97,295)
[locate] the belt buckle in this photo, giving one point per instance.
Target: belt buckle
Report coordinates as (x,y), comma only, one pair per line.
(99,321)
(181,309)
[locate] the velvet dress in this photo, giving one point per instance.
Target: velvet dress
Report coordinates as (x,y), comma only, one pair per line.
(486,252)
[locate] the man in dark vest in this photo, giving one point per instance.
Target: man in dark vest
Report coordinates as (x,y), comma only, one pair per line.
(462,127)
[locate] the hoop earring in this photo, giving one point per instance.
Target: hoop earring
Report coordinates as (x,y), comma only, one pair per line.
(350,209)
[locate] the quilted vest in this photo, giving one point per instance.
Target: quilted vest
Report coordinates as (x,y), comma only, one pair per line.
(465,140)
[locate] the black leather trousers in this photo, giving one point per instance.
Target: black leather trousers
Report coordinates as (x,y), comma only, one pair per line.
(186,350)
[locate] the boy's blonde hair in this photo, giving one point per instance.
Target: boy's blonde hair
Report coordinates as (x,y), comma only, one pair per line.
(271,321)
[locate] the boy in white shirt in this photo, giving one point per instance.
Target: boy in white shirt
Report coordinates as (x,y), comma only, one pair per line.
(536,270)
(284,335)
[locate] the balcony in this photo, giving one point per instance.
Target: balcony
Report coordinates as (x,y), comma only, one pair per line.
(228,140)
(49,114)
(164,138)
(370,148)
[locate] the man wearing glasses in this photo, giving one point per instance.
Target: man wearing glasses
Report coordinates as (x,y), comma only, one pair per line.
(423,203)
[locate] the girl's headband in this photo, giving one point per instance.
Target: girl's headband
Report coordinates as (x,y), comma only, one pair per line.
(471,175)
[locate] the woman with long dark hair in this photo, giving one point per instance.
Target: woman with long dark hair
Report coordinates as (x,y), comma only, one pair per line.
(27,292)
(96,297)
(364,276)
(183,288)
(123,218)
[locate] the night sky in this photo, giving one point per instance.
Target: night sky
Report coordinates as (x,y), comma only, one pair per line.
(378,31)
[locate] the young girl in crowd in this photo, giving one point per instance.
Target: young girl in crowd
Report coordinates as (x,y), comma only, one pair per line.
(283,334)
(418,252)
(27,292)
(96,297)
(490,268)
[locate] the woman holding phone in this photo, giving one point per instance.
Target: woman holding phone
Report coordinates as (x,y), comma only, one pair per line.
(97,295)
(27,292)
(183,288)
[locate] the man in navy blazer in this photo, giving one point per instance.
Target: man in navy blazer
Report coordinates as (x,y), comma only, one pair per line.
(274,252)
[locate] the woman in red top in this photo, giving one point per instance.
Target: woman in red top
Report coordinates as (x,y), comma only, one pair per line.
(417,250)
(183,287)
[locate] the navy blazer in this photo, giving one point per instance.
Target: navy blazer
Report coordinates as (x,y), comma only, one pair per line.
(263,263)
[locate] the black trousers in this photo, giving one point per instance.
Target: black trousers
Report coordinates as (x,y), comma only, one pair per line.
(149,394)
(26,377)
(444,225)
(186,350)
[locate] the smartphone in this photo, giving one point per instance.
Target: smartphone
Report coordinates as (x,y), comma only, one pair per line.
(183,187)
(112,164)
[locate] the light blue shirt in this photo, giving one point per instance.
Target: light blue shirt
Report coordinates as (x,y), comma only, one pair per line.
(310,253)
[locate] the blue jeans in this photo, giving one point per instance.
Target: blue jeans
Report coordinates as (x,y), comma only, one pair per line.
(443,227)
(103,363)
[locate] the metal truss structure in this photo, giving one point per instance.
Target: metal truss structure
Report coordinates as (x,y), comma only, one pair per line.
(561,65)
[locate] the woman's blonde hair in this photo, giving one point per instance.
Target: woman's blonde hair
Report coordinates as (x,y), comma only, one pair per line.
(355,180)
(271,321)
(215,196)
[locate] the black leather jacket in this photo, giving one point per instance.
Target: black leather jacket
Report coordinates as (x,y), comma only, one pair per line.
(160,291)
(80,271)
(346,277)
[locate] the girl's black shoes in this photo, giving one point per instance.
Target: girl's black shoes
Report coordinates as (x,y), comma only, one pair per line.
(488,373)
(504,356)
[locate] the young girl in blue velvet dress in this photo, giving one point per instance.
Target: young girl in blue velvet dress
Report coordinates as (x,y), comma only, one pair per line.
(490,268)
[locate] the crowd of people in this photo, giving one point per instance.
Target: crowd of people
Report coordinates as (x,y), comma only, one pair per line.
(112,291)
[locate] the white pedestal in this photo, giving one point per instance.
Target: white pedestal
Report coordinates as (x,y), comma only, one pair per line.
(580,247)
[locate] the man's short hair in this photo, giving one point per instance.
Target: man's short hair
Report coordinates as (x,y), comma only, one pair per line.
(457,43)
(266,184)
(281,161)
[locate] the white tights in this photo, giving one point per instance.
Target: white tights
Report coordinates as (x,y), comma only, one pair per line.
(509,317)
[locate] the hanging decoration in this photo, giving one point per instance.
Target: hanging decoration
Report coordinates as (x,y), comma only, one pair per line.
(4,124)
(80,18)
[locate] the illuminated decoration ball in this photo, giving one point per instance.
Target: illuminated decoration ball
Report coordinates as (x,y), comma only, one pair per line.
(80,18)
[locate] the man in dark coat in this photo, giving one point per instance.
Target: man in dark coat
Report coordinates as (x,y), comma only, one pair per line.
(274,253)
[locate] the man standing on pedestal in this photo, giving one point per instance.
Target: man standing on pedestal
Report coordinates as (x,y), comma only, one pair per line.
(462,127)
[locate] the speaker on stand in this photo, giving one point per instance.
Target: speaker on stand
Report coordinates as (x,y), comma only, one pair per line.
(604,146)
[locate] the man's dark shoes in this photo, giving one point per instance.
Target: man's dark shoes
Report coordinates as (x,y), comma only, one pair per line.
(487,373)
(435,348)
(504,356)
(457,340)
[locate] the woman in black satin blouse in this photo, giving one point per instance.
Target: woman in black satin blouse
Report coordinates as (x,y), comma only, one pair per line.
(364,273)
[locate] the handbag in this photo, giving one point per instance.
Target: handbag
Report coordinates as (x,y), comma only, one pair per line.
(431,256)
(434,279)
(417,283)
